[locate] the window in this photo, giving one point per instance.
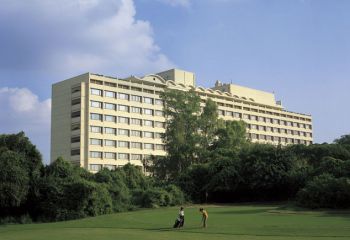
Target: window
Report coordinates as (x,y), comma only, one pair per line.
(95,116)
(110,130)
(124,120)
(148,134)
(124,156)
(96,82)
(268,120)
(110,118)
(95,141)
(75,152)
(75,114)
(237,115)
(110,167)
(75,139)
(157,135)
(94,154)
(229,113)
(136,98)
(159,102)
(110,84)
(252,126)
(136,89)
(148,91)
(110,143)
(123,86)
(76,89)
(136,145)
(261,119)
(221,112)
(95,167)
(123,132)
(76,101)
(148,123)
(255,118)
(135,121)
(148,100)
(110,155)
(123,144)
(136,133)
(123,96)
(253,136)
(245,116)
(110,94)
(95,91)
(275,121)
(268,129)
(95,129)
(110,106)
(95,104)
(136,156)
(75,127)
(123,108)
(159,124)
(160,147)
(158,113)
(148,146)
(148,111)
(136,110)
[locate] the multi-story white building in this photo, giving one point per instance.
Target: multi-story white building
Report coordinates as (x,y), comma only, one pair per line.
(100,121)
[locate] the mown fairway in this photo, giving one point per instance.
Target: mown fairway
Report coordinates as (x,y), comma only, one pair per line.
(225,222)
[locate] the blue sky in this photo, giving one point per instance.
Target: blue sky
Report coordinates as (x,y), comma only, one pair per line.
(300,49)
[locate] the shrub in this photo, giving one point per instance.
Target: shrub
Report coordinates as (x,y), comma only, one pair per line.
(325,191)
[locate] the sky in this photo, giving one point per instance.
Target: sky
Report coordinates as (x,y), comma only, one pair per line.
(298,49)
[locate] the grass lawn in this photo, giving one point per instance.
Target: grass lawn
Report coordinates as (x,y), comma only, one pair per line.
(248,222)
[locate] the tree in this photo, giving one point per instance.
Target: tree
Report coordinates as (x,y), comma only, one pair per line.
(230,137)
(344,141)
(208,124)
(14,182)
(182,129)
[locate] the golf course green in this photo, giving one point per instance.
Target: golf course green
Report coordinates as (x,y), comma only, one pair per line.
(248,222)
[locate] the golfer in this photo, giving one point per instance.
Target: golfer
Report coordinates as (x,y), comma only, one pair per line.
(204,217)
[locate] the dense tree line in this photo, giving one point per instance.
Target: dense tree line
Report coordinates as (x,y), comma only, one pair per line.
(211,160)
(30,191)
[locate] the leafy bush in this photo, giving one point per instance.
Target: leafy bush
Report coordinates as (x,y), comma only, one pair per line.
(325,191)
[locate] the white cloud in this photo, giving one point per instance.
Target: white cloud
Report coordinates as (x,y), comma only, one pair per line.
(74,36)
(175,3)
(21,110)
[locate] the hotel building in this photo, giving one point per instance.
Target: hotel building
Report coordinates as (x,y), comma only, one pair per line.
(100,121)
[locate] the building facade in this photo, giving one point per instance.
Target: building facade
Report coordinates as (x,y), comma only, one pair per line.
(100,121)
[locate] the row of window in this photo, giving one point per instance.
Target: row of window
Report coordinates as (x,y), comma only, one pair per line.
(258,110)
(125,96)
(279,130)
(264,119)
(122,86)
(125,132)
(115,156)
(125,144)
(126,120)
(125,108)
(254,136)
(98,167)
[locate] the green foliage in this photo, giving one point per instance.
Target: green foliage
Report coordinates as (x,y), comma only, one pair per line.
(181,137)
(193,182)
(158,197)
(231,136)
(14,181)
(325,191)
(344,141)
(64,194)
